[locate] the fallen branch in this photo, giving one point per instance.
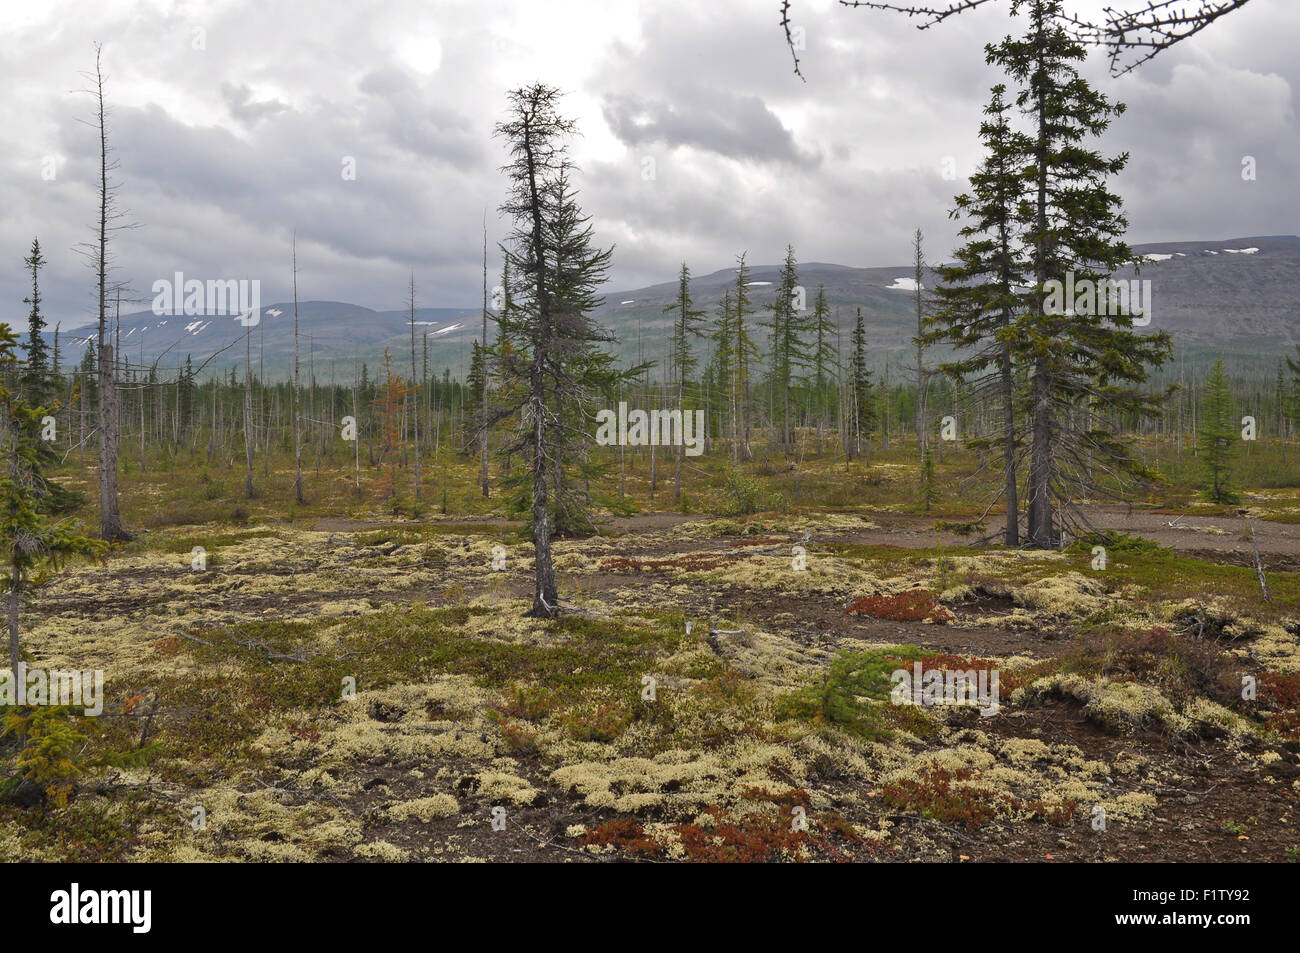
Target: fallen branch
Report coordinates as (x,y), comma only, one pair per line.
(261,648)
(1259,566)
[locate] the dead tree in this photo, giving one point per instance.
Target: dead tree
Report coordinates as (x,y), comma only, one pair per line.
(110,434)
(1131,37)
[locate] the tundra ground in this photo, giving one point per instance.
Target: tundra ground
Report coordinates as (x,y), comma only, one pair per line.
(231,732)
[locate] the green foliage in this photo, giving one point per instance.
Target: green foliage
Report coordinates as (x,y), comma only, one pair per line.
(863,419)
(50,755)
(1086,364)
(1217,435)
(1117,543)
(789,349)
(741,495)
(30,543)
(36,379)
(853,692)
(929,482)
(686,324)
(619,505)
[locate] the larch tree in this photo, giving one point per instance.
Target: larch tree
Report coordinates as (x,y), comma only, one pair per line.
(554,269)
(250,438)
(723,337)
(297,396)
(919,341)
(686,323)
(414,410)
(111,528)
(1131,36)
(744,352)
(482,394)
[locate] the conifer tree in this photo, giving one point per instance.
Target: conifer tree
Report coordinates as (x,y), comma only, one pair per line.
(37,380)
(744,352)
(1085,367)
(863,399)
(918,341)
(29,539)
(686,323)
(722,375)
(1293,365)
(1217,435)
(787,344)
(979,294)
(821,357)
(555,269)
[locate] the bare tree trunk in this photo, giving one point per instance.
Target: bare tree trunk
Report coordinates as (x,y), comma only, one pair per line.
(110,518)
(249,436)
(311,400)
(884,411)
(919,273)
(415,416)
(483,407)
(297,409)
(1040,465)
(1012,534)
(261,399)
(546,599)
(681,445)
(15,603)
(356,443)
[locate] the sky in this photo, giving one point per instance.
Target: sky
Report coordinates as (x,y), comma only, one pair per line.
(366,129)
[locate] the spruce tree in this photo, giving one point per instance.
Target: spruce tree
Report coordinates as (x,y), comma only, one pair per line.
(1085,368)
(29,539)
(744,353)
(863,399)
(1217,435)
(787,344)
(686,323)
(36,379)
(1293,365)
(723,336)
(979,294)
(820,358)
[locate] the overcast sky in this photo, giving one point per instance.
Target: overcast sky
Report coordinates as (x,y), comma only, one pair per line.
(232,120)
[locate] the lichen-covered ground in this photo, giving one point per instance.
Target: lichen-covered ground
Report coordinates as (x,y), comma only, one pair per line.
(766,732)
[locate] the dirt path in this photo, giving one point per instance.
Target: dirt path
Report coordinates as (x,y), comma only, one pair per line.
(1211,536)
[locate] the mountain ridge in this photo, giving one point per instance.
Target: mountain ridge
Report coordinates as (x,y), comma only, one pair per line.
(1256,279)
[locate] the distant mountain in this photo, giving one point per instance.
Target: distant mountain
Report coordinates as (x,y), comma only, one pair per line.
(334,337)
(1238,297)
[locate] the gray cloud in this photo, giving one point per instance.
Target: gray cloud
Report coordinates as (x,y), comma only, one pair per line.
(736,126)
(239,99)
(227,150)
